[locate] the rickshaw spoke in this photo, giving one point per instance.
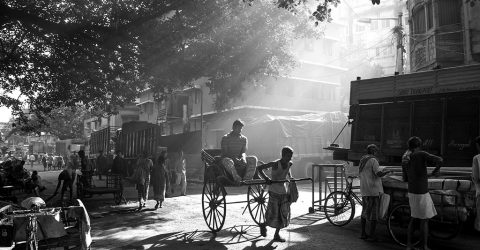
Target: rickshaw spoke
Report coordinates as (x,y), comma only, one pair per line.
(258,204)
(256,213)
(210,220)
(254,192)
(209,213)
(261,213)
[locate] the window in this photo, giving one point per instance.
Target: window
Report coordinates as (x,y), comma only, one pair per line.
(449,12)
(327,48)
(196,96)
(374,25)
(308,44)
(385,23)
(419,20)
(429,15)
(359,28)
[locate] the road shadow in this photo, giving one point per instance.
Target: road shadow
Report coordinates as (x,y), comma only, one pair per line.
(307,219)
(201,239)
(328,236)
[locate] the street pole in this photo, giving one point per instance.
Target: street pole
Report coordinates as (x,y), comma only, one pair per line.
(400,47)
(201,117)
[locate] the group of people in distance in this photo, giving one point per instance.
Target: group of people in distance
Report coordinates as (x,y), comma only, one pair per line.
(414,165)
(156,173)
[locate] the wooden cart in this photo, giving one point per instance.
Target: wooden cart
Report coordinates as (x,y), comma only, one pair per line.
(113,185)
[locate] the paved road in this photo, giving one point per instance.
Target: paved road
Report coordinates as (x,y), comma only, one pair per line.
(180,225)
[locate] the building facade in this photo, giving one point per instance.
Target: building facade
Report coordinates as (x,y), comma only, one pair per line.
(444,33)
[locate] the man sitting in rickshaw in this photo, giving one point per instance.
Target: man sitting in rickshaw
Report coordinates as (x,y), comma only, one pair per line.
(233,158)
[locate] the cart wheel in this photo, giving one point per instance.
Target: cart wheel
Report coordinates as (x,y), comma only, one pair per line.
(257,198)
(213,206)
(339,208)
(444,230)
(117,197)
(397,224)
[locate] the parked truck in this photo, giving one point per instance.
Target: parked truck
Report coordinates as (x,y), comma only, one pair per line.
(440,106)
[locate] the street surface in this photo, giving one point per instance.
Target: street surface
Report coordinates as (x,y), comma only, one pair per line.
(179,224)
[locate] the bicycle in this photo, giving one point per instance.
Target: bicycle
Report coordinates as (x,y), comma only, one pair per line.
(339,207)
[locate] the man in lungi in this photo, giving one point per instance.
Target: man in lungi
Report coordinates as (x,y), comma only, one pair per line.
(278,209)
(419,199)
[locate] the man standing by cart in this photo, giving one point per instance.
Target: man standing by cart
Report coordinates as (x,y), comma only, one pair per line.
(419,199)
(370,187)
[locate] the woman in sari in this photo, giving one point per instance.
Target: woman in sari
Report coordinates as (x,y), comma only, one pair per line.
(142,178)
(159,179)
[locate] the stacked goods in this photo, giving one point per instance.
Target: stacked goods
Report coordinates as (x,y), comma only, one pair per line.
(452,198)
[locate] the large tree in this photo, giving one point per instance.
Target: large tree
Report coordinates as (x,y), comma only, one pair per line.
(101,53)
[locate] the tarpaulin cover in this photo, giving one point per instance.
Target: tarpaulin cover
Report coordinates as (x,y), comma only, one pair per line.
(308,125)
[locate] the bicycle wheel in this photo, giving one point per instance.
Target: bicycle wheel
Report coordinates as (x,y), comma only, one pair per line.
(213,206)
(339,208)
(397,224)
(257,198)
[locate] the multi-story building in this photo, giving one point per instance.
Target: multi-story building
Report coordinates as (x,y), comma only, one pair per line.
(444,33)
(370,33)
(125,114)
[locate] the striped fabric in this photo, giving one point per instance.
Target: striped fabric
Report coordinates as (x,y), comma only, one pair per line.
(234,145)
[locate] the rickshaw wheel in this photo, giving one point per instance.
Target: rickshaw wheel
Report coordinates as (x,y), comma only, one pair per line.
(397,224)
(257,198)
(339,208)
(213,206)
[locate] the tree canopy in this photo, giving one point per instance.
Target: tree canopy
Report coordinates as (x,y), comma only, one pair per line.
(100,54)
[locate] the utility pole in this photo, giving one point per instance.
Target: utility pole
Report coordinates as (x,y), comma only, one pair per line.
(400,47)
(201,116)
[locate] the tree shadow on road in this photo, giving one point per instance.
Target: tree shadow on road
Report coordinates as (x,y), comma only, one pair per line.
(202,239)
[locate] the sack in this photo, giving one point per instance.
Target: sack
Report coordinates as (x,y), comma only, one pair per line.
(384,203)
(293,192)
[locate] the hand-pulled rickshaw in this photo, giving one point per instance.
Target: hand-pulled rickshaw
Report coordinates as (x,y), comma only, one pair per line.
(214,194)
